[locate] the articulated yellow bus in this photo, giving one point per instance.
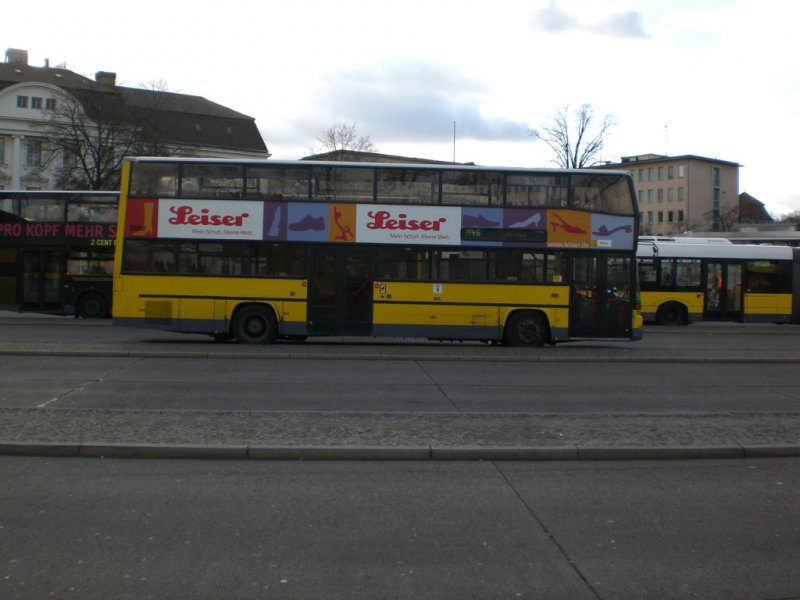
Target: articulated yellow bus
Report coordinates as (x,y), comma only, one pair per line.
(692,279)
(264,250)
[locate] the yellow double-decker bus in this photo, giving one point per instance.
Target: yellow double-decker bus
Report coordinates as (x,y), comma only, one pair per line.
(264,250)
(686,279)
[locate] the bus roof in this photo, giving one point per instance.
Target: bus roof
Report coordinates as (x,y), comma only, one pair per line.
(682,240)
(665,248)
(377,165)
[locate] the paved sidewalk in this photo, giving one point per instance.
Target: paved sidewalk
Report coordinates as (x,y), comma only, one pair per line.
(422,436)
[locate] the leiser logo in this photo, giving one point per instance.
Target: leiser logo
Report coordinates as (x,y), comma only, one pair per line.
(210,219)
(186,215)
(408,224)
(382,219)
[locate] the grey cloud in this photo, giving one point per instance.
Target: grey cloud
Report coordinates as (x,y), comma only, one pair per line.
(414,102)
(553,19)
(627,24)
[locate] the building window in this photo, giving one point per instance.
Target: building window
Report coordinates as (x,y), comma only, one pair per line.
(650,174)
(639,196)
(33,153)
(22,102)
(641,174)
(681,194)
(661,173)
(36,102)
(671,216)
(649,195)
(660,195)
(671,172)
(50,104)
(650,216)
(660,216)
(670,195)
(681,173)
(680,216)
(2,151)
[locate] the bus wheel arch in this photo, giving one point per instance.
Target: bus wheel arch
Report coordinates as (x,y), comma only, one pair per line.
(254,324)
(526,328)
(672,313)
(92,305)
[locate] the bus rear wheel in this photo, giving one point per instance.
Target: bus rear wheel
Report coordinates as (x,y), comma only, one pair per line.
(671,313)
(526,329)
(255,324)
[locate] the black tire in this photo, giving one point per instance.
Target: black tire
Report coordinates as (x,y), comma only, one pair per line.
(671,314)
(92,305)
(255,324)
(526,329)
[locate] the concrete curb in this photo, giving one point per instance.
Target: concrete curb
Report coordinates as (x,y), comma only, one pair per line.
(341,453)
(375,356)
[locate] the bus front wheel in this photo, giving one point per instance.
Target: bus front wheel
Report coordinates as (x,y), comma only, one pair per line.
(255,325)
(671,313)
(526,329)
(92,305)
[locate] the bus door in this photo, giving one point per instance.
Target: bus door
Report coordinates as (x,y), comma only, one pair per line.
(340,291)
(723,291)
(41,280)
(600,300)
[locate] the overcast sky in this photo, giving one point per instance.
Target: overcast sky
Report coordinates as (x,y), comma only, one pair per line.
(716,78)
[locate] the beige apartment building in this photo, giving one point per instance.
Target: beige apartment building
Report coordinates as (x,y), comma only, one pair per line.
(683,193)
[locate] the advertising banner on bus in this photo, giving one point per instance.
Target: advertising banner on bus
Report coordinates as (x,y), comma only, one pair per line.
(376,224)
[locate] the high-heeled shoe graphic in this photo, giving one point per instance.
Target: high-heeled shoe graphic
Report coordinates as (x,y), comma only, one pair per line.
(534,220)
(345,232)
(566,227)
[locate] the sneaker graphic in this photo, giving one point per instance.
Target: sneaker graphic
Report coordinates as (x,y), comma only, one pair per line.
(605,231)
(478,221)
(308,223)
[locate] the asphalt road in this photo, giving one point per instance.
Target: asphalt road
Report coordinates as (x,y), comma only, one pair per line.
(567,525)
(85,388)
(123,529)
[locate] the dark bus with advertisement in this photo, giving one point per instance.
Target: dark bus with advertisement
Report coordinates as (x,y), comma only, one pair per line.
(57,251)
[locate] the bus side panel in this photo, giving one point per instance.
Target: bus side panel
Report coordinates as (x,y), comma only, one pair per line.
(767,308)
(470,311)
(200,305)
(652,301)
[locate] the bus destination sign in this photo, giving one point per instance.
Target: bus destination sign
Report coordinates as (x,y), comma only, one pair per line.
(489,234)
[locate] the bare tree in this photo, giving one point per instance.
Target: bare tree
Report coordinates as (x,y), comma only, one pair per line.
(343,136)
(573,137)
(791,217)
(724,219)
(729,218)
(91,131)
(149,106)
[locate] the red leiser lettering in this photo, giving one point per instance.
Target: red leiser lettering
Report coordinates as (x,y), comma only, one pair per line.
(382,220)
(185,215)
